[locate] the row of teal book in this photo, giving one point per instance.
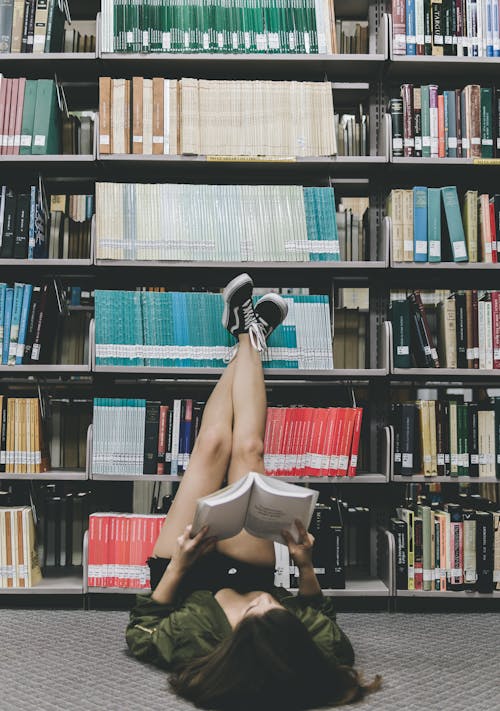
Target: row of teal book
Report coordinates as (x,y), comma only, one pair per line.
(184,329)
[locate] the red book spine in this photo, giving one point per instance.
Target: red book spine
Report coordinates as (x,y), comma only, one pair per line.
(353,463)
(495,318)
(290,444)
(398,27)
(267,437)
(162,439)
(110,581)
(92,552)
(441,134)
(408,121)
(101,553)
(299,433)
(274,439)
(336,444)
(304,449)
(347,436)
(19,115)
(327,443)
(494,252)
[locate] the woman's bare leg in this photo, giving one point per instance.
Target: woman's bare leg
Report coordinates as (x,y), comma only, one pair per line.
(207,465)
(250,409)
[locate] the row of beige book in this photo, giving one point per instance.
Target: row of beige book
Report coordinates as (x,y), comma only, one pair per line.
(216,118)
(19,565)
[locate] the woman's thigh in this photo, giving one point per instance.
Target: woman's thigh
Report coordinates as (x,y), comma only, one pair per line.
(249,549)
(204,475)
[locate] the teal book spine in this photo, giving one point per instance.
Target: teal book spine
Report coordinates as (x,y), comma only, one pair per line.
(28,117)
(420,243)
(454,222)
(9,297)
(426,122)
(3,292)
(23,325)
(451,115)
(17,305)
(434,223)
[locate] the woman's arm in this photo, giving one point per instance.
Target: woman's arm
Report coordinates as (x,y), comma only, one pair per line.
(166,589)
(308,582)
(301,553)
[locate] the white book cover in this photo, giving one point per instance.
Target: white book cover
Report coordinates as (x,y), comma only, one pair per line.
(259,504)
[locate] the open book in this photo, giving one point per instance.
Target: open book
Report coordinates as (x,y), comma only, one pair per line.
(261,505)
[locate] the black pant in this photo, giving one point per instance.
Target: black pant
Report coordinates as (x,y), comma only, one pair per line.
(214,571)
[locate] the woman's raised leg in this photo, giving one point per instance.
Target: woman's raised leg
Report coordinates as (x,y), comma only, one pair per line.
(208,463)
(247,454)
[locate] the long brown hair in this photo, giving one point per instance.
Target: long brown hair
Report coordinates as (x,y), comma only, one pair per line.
(269,662)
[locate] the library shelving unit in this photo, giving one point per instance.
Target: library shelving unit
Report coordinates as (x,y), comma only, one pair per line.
(360,78)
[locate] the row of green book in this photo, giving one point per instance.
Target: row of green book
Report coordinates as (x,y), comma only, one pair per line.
(447,437)
(216,222)
(428,225)
(184,329)
(236,26)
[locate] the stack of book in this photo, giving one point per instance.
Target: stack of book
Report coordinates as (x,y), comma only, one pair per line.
(448,546)
(75,41)
(23,222)
(353,229)
(69,233)
(119,546)
(30,26)
(352,36)
(456,123)
(350,339)
(170,116)
(184,329)
(353,132)
(216,222)
(23,447)
(442,329)
(63,521)
(150,437)
(420,233)
(241,26)
(468,29)
(447,437)
(19,566)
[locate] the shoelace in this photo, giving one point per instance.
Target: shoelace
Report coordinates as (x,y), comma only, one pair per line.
(256,332)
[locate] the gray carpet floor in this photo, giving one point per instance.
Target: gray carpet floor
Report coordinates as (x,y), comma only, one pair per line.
(61,660)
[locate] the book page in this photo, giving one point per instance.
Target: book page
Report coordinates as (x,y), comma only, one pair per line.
(275,505)
(224,511)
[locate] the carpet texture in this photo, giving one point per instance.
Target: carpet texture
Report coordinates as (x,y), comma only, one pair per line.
(61,660)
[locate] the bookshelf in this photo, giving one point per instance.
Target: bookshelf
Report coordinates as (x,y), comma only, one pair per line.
(366,77)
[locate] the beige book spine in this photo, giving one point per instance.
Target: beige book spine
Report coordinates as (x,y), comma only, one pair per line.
(407,225)
(190,118)
(21,560)
(13,547)
(30,436)
(137,115)
(147,117)
(431,405)
(8,538)
(491,444)
(21,429)
(37,442)
(425,435)
(126,116)
(394,209)
(41,14)
(17,435)
(17,26)
(453,439)
(485,228)
(105,123)
(450,334)
(158,103)
(3,550)
(470,220)
(34,572)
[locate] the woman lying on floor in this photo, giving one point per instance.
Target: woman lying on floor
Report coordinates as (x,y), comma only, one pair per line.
(233,640)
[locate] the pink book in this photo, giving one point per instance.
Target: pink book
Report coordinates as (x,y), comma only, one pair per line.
(3,105)
(495,321)
(19,115)
(6,116)
(12,116)
(398,27)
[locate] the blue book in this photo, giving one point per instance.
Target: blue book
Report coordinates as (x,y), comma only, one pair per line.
(23,327)
(451,123)
(17,305)
(434,223)
(9,297)
(31,229)
(420,243)
(3,293)
(411,40)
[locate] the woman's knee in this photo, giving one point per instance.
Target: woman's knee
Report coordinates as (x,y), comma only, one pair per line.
(214,442)
(249,449)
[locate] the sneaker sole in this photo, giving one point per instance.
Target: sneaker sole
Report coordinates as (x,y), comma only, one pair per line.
(278,300)
(229,290)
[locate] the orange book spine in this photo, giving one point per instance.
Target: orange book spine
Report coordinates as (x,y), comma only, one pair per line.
(137,109)
(441,132)
(158,118)
(353,461)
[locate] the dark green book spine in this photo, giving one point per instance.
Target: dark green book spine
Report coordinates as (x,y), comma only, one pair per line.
(400,319)
(151,430)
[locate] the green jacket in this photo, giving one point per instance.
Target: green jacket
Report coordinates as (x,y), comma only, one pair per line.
(171,633)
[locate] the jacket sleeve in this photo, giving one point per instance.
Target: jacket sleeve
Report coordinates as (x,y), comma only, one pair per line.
(149,633)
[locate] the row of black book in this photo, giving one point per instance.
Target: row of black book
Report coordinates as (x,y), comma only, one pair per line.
(433,329)
(342,541)
(448,545)
(447,437)
(29,231)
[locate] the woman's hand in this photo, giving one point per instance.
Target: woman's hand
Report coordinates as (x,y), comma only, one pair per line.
(190,549)
(301,552)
